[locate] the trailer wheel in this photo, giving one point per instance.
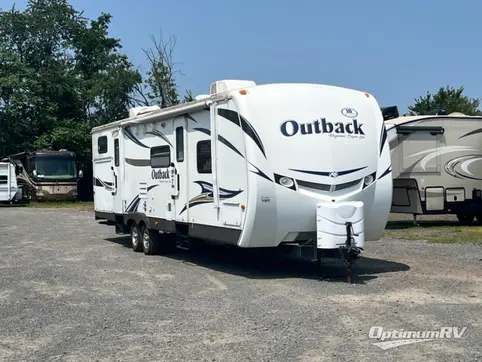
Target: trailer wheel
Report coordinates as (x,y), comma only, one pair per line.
(149,240)
(136,237)
(465,219)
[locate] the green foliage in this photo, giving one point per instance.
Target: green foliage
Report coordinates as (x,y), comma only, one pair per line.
(60,74)
(448,99)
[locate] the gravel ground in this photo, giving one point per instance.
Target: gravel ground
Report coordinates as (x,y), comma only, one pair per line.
(73,290)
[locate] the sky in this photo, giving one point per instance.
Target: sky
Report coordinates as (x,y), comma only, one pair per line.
(396,50)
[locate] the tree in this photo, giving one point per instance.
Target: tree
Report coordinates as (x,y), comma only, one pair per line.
(159,86)
(448,99)
(60,75)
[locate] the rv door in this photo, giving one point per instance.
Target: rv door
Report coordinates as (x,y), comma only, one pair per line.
(179,171)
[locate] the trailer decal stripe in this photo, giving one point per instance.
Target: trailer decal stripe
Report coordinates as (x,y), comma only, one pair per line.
(471,133)
(138,162)
(100,183)
(161,135)
(206,195)
(387,171)
(135,202)
(330,173)
(133,138)
(220,139)
(384,138)
(259,172)
(245,126)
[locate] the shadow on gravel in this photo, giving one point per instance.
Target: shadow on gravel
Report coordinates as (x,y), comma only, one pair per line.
(269,264)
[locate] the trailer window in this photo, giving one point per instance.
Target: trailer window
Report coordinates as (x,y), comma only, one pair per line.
(102,144)
(116,152)
(204,156)
(179,144)
(160,156)
(3,179)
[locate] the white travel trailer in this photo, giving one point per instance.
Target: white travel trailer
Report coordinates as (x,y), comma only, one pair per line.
(249,165)
(437,166)
(9,190)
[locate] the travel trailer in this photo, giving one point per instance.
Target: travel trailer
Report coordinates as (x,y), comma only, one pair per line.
(10,192)
(254,166)
(48,175)
(437,165)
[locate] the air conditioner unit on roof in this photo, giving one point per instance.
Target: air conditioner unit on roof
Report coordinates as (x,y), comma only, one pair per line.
(221,86)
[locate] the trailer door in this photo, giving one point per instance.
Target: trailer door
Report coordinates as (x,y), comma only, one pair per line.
(179,173)
(104,180)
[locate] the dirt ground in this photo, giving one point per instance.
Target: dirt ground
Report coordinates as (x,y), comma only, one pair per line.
(73,290)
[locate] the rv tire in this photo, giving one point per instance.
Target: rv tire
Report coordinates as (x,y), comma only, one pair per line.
(136,237)
(465,219)
(150,240)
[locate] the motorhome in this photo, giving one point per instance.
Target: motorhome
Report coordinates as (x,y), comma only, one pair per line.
(437,165)
(10,191)
(48,174)
(254,166)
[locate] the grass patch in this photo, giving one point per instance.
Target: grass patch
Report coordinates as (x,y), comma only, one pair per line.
(443,229)
(78,205)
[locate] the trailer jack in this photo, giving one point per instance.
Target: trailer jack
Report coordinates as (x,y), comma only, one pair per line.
(348,253)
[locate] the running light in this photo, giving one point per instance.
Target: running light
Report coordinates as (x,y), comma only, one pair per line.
(286,182)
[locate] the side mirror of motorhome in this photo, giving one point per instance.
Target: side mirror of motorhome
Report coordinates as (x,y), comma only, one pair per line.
(81,174)
(34,172)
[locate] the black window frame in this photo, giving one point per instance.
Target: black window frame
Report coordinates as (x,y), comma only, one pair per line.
(158,150)
(100,147)
(180,145)
(116,152)
(201,162)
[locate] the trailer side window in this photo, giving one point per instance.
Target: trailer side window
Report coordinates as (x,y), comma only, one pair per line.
(3,179)
(116,152)
(179,144)
(203,150)
(160,156)
(102,144)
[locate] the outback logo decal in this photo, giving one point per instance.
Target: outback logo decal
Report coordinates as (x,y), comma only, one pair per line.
(161,175)
(349,112)
(351,129)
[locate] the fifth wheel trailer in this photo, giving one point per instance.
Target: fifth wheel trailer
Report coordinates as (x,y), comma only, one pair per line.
(437,165)
(253,166)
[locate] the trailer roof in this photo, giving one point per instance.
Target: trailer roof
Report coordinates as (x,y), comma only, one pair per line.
(163,112)
(408,119)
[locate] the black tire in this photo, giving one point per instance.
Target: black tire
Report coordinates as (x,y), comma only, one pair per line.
(150,241)
(479,219)
(465,219)
(136,238)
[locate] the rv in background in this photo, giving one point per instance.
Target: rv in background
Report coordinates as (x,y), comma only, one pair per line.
(48,175)
(436,164)
(253,166)
(10,191)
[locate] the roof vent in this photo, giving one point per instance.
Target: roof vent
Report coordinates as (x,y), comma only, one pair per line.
(137,111)
(457,114)
(221,86)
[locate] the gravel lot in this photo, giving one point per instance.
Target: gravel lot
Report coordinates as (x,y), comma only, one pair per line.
(72,290)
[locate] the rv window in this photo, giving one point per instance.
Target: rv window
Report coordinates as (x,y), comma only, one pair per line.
(102,144)
(116,152)
(3,179)
(179,144)
(204,157)
(160,156)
